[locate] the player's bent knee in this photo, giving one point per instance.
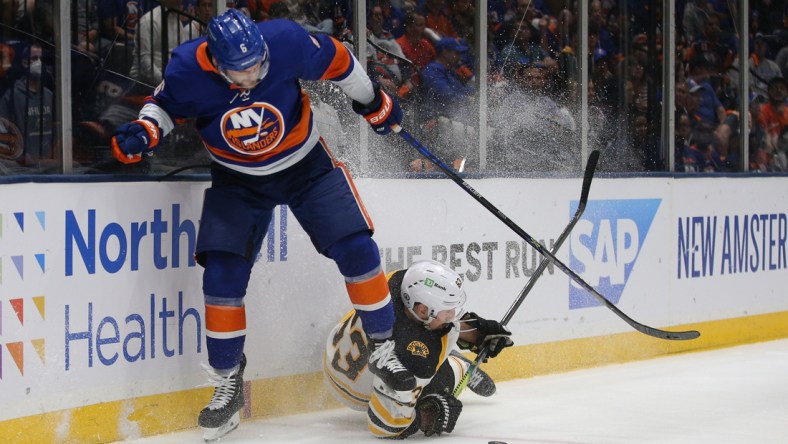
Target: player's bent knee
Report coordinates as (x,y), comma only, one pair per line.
(355,255)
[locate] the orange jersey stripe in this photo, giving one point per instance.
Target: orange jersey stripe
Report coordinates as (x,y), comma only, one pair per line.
(224,319)
(369,292)
(350,182)
(295,136)
(340,64)
(361,206)
(203,60)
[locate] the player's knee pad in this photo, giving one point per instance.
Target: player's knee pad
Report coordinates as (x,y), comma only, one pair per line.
(355,255)
(226,277)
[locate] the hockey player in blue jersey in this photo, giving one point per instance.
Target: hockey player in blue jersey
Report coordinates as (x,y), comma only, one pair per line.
(241,83)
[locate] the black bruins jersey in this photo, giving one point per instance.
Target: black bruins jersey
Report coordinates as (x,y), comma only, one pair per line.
(421,351)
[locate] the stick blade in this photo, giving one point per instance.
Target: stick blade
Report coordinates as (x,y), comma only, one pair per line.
(670,335)
(593,158)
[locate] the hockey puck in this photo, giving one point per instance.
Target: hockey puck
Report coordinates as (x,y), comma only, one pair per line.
(495,442)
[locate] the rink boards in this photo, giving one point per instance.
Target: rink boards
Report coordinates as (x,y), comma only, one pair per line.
(101,317)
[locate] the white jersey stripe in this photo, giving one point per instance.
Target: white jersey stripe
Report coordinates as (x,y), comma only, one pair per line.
(225,335)
(373,307)
(281,164)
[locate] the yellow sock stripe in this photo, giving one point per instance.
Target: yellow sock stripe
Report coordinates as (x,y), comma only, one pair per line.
(385,416)
(379,432)
(458,368)
(360,399)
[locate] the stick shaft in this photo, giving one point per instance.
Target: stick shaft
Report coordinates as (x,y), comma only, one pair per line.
(581,206)
(645,329)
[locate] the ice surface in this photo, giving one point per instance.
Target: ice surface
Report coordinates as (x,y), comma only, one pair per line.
(731,395)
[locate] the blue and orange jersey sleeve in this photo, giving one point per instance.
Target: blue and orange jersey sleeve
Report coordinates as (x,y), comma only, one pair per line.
(179,93)
(327,59)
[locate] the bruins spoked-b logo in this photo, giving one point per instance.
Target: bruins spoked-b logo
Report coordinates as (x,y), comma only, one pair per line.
(254,129)
(418,348)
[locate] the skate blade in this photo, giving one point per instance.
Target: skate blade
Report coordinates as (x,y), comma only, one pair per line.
(212,435)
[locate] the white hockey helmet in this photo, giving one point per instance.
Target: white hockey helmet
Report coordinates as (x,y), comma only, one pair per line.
(436,286)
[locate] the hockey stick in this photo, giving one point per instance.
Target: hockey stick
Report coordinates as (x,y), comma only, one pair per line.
(645,329)
(391,54)
(581,206)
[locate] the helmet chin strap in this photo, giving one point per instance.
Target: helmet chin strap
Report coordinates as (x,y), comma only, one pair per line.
(425,323)
(232,82)
(225,76)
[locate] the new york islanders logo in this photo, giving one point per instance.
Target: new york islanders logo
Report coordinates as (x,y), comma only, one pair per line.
(253,130)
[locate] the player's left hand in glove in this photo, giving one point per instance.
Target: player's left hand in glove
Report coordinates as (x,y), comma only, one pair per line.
(382,114)
(492,335)
(438,413)
(133,139)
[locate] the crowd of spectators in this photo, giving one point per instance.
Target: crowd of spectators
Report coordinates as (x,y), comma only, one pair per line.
(707,96)
(422,52)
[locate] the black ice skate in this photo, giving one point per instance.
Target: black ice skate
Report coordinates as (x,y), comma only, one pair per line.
(480,383)
(384,364)
(221,416)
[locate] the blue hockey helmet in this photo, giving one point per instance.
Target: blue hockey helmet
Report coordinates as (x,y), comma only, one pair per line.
(235,41)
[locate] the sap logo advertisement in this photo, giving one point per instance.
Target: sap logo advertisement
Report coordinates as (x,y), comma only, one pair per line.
(605,244)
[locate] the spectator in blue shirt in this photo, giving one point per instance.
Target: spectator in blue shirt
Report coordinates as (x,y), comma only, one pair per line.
(701,155)
(393,18)
(448,101)
(710,109)
(445,93)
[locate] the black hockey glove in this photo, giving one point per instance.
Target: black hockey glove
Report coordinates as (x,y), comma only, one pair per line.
(383,113)
(438,413)
(492,335)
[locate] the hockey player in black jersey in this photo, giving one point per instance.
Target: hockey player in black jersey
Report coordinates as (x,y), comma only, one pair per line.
(430,327)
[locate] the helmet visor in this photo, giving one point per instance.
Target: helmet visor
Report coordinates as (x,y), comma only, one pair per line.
(453,314)
(447,316)
(247,78)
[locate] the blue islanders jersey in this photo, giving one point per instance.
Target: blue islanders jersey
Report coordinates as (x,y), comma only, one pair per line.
(270,127)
